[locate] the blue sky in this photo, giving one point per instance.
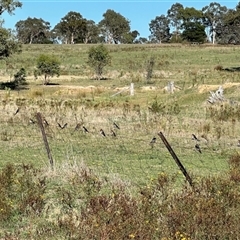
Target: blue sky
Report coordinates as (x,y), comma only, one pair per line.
(138,12)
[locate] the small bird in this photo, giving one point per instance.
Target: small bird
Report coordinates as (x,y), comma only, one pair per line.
(102,132)
(113,133)
(31,121)
(115,125)
(17,111)
(153,141)
(238,144)
(85,130)
(195,138)
(197,147)
(62,127)
(45,122)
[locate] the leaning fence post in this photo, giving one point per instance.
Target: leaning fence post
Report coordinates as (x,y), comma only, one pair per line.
(183,170)
(44,136)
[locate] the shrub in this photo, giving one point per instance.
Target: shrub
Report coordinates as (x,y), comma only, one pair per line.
(48,66)
(98,58)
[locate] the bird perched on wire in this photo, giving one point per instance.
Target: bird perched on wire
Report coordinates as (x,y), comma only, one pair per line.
(31,121)
(85,129)
(17,111)
(45,122)
(197,147)
(153,141)
(115,125)
(195,138)
(102,132)
(62,127)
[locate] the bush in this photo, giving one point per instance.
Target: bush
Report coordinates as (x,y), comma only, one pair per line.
(98,58)
(48,66)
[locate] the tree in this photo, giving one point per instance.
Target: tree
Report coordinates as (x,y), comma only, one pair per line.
(33,30)
(9,6)
(114,26)
(18,81)
(159,28)
(193,27)
(91,35)
(213,15)
(48,66)
(228,30)
(98,58)
(130,37)
(71,27)
(194,32)
(173,14)
(8,44)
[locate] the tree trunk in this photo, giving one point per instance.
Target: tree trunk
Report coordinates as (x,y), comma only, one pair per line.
(72,38)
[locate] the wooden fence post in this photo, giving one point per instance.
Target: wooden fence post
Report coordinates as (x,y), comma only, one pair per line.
(183,170)
(44,136)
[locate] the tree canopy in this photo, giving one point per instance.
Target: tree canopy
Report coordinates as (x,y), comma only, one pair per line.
(72,27)
(9,6)
(8,44)
(220,24)
(114,26)
(33,30)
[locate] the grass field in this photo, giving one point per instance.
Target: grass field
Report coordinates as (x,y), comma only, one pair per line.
(128,159)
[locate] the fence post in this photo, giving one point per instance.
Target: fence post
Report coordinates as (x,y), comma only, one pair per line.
(44,136)
(132,89)
(183,170)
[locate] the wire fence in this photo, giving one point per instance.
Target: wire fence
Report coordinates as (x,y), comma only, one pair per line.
(112,143)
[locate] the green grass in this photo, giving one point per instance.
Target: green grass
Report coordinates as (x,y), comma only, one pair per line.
(126,162)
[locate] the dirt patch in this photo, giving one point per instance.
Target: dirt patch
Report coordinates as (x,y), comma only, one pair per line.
(206,88)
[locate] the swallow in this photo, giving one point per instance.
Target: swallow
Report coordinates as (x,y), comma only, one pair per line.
(85,129)
(197,147)
(45,122)
(62,127)
(153,140)
(16,112)
(115,125)
(113,133)
(195,138)
(102,132)
(31,121)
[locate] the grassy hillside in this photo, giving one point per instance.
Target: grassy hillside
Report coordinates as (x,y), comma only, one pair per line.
(127,161)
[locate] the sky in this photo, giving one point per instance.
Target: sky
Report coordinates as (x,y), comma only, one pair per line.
(138,12)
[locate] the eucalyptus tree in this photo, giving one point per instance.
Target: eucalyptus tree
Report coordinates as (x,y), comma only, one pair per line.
(193,27)
(71,27)
(113,26)
(160,29)
(130,37)
(33,30)
(228,32)
(174,16)
(9,6)
(213,15)
(91,35)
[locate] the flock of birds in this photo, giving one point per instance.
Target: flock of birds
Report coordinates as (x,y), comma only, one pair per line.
(113,133)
